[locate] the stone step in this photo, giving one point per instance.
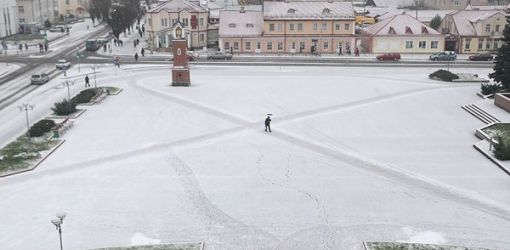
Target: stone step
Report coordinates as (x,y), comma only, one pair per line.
(487,115)
(470,108)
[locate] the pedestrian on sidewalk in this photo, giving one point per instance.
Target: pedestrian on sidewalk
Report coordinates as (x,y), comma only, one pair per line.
(20,47)
(26,46)
(136,57)
(356,52)
(143,52)
(267,122)
(87,81)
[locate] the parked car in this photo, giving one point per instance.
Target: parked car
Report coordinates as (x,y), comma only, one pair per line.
(481,57)
(192,58)
(63,64)
(55,29)
(220,55)
(39,79)
(444,56)
(388,57)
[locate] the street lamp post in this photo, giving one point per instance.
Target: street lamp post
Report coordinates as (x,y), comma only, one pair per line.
(93,67)
(68,83)
(58,225)
(26,107)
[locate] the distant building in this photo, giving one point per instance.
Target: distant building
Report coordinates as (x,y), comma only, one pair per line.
(473,31)
(77,8)
(309,27)
(401,33)
(162,20)
(8,18)
(35,11)
(241,30)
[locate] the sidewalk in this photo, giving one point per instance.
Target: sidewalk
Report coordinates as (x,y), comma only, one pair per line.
(6,68)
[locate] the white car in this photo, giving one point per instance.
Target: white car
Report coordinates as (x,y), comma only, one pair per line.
(63,64)
(39,79)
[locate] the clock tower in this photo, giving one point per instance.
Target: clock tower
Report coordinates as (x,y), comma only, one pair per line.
(180,70)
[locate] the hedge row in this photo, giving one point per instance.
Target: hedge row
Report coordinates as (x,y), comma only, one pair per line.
(444,75)
(41,127)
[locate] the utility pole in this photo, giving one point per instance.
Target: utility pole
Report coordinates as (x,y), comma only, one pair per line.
(26,107)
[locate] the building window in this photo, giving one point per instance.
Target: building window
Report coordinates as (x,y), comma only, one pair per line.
(487,45)
(248,45)
(201,21)
(326,45)
(258,45)
(337,26)
(291,27)
(231,25)
(422,44)
(67,2)
(496,29)
(346,26)
(488,28)
(315,26)
(279,28)
(468,44)
(202,37)
(150,21)
(324,26)
(249,25)
(409,44)
(21,9)
(301,46)
(269,46)
(293,45)
(434,44)
(185,21)
(271,27)
(280,46)
(480,44)
(236,46)
(227,46)
(300,27)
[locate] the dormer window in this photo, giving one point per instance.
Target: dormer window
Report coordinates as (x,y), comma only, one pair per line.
(291,11)
(424,30)
(249,25)
(408,30)
(231,25)
(392,31)
(326,11)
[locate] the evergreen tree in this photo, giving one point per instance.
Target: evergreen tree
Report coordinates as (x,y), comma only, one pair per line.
(501,72)
(435,22)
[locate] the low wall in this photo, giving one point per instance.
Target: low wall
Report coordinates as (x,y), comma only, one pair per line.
(502,101)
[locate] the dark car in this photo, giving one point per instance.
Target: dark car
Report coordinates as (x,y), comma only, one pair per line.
(481,57)
(388,57)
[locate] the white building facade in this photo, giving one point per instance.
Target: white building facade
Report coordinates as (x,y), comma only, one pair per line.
(35,11)
(8,18)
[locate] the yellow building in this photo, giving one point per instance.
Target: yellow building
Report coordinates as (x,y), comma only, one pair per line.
(290,27)
(474,31)
(401,34)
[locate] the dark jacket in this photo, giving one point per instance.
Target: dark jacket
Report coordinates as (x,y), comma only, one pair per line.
(268,121)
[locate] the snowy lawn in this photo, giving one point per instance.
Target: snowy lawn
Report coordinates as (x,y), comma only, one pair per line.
(356,154)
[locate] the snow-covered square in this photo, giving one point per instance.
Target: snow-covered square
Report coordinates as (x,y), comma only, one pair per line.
(356,154)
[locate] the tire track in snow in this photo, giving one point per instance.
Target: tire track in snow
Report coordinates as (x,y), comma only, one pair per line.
(227,229)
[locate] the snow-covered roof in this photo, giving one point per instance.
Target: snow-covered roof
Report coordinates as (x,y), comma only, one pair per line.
(241,23)
(308,10)
(178,5)
(423,15)
(464,19)
(401,24)
(393,3)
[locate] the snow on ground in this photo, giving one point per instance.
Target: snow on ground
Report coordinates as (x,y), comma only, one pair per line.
(353,156)
(6,68)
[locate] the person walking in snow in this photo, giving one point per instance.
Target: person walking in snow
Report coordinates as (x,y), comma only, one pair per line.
(143,52)
(136,57)
(267,122)
(87,81)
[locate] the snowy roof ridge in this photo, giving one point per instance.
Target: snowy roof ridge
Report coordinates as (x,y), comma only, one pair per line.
(400,24)
(308,10)
(464,19)
(234,23)
(178,5)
